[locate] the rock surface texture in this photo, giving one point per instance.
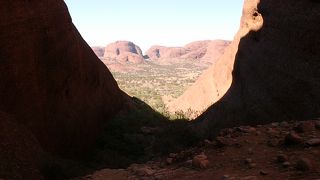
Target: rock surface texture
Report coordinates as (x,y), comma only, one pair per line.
(269,72)
(20,151)
(239,153)
(56,90)
(215,49)
(124,51)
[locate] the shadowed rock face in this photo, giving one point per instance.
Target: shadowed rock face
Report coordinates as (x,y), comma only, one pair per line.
(20,152)
(275,62)
(99,51)
(50,79)
(124,51)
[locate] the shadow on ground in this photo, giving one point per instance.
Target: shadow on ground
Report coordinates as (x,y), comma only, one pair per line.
(135,136)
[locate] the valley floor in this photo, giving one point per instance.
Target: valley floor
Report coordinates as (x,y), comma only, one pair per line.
(287,150)
(156,82)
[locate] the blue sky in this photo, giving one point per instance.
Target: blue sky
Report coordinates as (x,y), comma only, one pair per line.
(149,22)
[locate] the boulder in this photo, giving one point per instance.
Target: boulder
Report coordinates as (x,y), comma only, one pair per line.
(200,161)
(293,138)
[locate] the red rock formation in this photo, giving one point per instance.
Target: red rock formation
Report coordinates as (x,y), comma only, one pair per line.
(124,51)
(99,51)
(215,49)
(206,50)
(270,71)
(50,79)
(196,50)
(209,87)
(157,52)
(193,46)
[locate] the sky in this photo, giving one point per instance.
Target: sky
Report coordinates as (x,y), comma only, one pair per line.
(150,22)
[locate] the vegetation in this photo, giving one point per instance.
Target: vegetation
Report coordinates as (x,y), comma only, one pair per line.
(157,84)
(140,135)
(136,136)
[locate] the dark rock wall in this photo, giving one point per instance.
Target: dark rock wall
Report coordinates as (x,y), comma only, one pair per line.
(276,71)
(50,79)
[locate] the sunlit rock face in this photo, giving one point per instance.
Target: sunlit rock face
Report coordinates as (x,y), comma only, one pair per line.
(124,51)
(207,50)
(161,52)
(214,82)
(270,71)
(51,82)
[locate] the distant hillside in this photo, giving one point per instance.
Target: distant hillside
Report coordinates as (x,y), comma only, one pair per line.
(207,50)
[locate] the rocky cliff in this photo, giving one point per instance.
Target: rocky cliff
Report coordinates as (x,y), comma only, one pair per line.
(124,51)
(157,52)
(271,70)
(51,82)
(208,50)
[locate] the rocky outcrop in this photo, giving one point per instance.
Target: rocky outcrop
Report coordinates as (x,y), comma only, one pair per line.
(157,52)
(124,51)
(207,50)
(211,85)
(196,50)
(99,51)
(270,72)
(50,79)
